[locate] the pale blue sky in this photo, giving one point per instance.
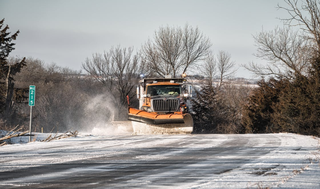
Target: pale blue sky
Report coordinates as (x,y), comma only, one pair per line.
(66,32)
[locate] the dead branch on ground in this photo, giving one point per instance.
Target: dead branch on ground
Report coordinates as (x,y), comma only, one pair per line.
(11,134)
(60,136)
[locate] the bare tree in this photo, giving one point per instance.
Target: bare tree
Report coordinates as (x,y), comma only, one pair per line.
(306,15)
(174,50)
(286,52)
(118,70)
(219,65)
(225,66)
(209,69)
(62,95)
(289,52)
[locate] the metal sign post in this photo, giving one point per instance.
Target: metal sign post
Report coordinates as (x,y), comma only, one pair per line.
(32,98)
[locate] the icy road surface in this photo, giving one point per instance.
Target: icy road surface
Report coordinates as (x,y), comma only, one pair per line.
(167,161)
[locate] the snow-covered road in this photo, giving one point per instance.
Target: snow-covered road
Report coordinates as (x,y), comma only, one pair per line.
(164,161)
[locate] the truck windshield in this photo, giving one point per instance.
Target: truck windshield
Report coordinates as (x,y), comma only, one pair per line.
(167,90)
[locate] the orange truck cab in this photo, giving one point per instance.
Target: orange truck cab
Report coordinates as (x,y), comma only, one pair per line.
(163,105)
(165,95)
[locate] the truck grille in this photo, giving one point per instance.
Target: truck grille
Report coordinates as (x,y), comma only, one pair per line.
(165,105)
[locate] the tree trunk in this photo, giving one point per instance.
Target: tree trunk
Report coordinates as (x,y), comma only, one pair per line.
(9,94)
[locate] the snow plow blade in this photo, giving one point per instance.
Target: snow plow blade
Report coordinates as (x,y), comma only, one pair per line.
(152,123)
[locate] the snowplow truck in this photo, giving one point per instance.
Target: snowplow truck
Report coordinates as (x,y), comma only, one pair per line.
(163,107)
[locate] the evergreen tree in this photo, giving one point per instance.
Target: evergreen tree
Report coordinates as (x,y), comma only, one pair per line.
(209,111)
(257,113)
(300,104)
(283,105)
(7,71)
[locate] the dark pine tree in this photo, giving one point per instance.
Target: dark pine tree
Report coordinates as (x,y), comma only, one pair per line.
(257,113)
(208,111)
(7,71)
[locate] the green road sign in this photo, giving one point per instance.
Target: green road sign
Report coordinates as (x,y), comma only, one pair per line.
(32,95)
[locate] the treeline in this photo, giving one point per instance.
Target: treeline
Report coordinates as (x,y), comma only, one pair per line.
(63,98)
(286,99)
(66,100)
(289,100)
(288,96)
(286,105)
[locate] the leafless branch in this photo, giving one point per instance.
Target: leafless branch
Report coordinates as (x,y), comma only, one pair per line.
(225,66)
(306,15)
(12,134)
(286,52)
(61,136)
(209,68)
(118,70)
(289,52)
(174,50)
